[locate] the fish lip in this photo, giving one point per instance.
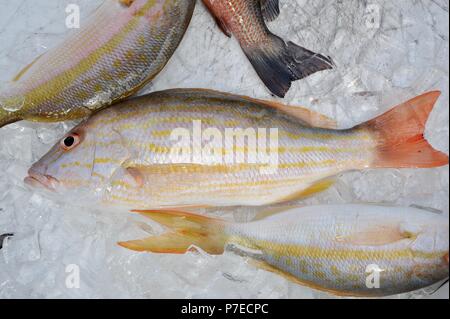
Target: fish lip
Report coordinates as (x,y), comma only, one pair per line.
(38,180)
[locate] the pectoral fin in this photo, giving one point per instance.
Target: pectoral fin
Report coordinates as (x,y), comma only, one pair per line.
(128,176)
(137,176)
(126,3)
(378,235)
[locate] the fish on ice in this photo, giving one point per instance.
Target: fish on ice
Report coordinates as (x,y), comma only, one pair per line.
(124,156)
(278,63)
(346,250)
(121,47)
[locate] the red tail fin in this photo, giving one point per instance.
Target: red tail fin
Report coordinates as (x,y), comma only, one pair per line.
(400,134)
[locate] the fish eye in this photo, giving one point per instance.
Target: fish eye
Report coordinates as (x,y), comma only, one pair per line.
(70,141)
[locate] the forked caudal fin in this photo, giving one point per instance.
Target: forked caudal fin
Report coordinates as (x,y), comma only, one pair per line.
(400,135)
(185,230)
(278,63)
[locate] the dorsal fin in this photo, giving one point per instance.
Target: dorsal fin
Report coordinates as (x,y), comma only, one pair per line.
(270,9)
(304,115)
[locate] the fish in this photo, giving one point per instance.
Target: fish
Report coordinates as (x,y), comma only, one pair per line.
(346,250)
(118,50)
(202,148)
(277,62)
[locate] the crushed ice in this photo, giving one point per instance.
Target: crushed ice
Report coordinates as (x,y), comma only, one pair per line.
(385,52)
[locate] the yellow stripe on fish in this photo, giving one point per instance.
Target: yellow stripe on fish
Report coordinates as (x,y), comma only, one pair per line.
(132,145)
(349,250)
(118,50)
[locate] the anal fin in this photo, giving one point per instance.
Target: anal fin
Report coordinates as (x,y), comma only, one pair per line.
(291,278)
(219,20)
(222,26)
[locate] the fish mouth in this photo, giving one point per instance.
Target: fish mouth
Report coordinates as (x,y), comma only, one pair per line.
(44,181)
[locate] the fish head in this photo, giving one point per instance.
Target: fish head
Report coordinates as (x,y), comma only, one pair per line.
(68,165)
(84,163)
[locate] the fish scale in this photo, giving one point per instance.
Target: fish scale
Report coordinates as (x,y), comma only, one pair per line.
(347,250)
(244,21)
(277,62)
(217,183)
(310,238)
(130,146)
(118,50)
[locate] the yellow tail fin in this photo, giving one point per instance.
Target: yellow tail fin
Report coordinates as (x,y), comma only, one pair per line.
(185,230)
